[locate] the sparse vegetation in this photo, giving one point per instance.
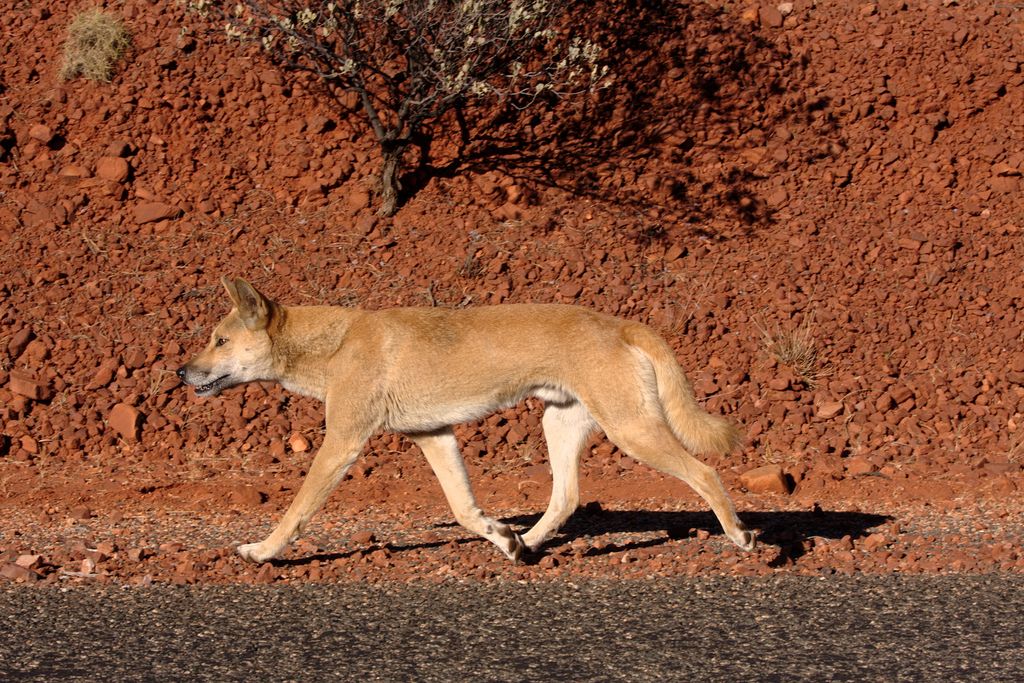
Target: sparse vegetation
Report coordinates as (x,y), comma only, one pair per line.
(96,40)
(412,62)
(796,348)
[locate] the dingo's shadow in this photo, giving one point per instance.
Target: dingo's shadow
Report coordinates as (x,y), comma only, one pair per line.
(785,530)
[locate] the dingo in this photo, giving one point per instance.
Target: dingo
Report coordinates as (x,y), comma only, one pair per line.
(420,370)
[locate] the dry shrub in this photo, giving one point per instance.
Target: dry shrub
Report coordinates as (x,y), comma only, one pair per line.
(96,40)
(796,349)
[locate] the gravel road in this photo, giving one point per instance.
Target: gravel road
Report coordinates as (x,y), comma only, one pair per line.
(788,628)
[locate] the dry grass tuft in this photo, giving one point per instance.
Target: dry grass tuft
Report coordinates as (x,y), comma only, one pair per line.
(96,40)
(796,349)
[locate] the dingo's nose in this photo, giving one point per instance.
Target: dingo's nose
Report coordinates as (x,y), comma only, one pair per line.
(181,373)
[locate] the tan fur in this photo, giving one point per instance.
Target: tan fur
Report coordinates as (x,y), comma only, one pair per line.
(421,370)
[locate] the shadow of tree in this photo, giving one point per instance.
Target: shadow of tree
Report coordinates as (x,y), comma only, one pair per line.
(699,93)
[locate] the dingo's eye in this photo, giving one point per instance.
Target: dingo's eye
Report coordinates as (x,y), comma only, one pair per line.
(221,341)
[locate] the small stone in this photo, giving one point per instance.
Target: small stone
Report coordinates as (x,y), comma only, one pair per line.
(118,148)
(770,17)
(13,572)
(74,172)
(673,252)
(104,375)
(125,420)
(857,466)
(364,538)
(80,512)
(20,341)
(298,443)
(114,169)
(29,444)
(271,77)
(777,197)
(874,542)
(358,200)
(548,562)
(28,386)
(151,212)
(29,561)
(266,574)
(246,496)
(41,132)
(751,15)
(766,479)
(829,409)
(570,290)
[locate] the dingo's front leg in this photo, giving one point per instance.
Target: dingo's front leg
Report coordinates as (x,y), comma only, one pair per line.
(442,452)
(329,466)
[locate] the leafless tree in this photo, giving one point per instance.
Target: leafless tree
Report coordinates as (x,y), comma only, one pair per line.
(411,62)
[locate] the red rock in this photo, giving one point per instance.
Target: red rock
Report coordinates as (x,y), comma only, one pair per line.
(298,443)
(29,561)
(766,479)
(570,290)
(857,466)
(41,132)
(246,496)
(135,554)
(118,148)
(29,444)
(364,538)
(266,574)
(104,375)
(770,17)
(751,15)
(13,572)
(80,512)
(829,409)
(874,542)
(125,420)
(28,386)
(358,200)
(151,212)
(114,169)
(73,172)
(16,346)
(271,77)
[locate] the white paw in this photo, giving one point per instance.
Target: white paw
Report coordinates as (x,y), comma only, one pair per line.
(516,548)
(746,539)
(254,552)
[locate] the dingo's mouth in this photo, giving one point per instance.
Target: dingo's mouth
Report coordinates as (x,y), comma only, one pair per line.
(213,387)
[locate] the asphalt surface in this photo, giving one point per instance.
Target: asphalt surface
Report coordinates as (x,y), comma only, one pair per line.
(888,628)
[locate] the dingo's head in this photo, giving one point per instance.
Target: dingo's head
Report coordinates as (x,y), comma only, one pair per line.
(240,347)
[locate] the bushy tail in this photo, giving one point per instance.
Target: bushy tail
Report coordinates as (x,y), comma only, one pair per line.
(698,430)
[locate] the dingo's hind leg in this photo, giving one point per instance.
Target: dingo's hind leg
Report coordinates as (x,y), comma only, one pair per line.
(651,441)
(566,428)
(442,452)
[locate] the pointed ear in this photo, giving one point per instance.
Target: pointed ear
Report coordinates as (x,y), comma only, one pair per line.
(232,290)
(253,307)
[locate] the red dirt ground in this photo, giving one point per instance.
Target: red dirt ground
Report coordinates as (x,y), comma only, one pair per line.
(846,171)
